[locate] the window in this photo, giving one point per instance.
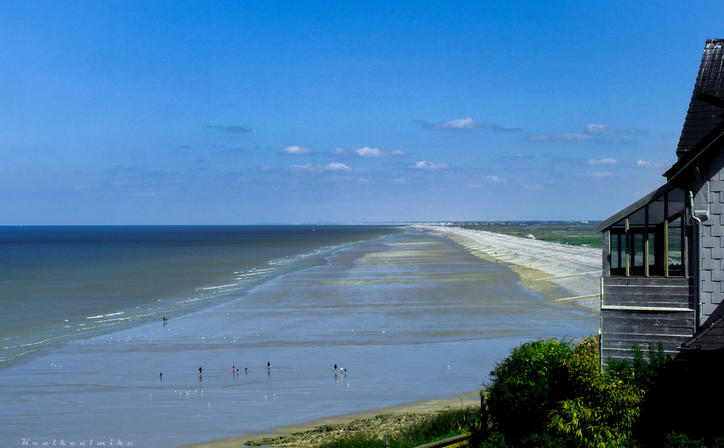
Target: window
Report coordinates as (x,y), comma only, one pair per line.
(651,240)
(618,248)
(676,247)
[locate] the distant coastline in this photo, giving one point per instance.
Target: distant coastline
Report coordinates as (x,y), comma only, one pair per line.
(542,266)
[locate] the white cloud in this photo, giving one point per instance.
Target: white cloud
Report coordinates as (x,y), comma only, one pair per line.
(567,137)
(604,161)
(337,167)
(304,167)
(458,123)
(425,165)
(294,149)
(601,174)
(310,168)
(339,151)
(598,132)
(495,179)
(466,123)
(397,152)
(600,129)
(643,163)
(369,152)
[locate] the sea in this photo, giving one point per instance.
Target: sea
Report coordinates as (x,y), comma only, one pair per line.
(256,319)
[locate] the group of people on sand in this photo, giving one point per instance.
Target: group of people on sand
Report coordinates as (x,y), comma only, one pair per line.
(235,371)
(341,370)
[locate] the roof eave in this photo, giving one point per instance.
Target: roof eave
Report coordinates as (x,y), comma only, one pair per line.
(616,217)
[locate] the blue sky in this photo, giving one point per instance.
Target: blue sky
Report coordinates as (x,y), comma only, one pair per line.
(303,112)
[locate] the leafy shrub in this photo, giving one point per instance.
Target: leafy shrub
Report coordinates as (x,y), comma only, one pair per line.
(526,386)
(601,409)
(675,440)
(640,372)
(435,427)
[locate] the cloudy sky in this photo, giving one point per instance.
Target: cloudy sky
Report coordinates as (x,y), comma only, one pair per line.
(304,112)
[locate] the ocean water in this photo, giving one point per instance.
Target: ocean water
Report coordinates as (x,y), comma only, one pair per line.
(411,316)
(61,283)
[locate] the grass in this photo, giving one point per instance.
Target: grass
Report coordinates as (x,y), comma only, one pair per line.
(436,427)
(574,233)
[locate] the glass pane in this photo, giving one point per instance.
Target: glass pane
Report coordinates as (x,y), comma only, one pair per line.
(615,250)
(656,211)
(637,260)
(676,202)
(636,219)
(620,225)
(652,252)
(675,255)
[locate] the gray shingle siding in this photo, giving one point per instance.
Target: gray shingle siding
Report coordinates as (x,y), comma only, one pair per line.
(710,197)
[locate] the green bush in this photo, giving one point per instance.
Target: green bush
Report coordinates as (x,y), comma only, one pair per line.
(600,409)
(640,372)
(435,427)
(526,386)
(675,440)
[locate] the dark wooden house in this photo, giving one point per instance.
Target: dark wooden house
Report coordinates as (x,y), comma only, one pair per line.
(663,255)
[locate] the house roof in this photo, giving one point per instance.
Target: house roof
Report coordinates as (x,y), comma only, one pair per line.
(710,142)
(710,337)
(611,220)
(703,116)
(703,129)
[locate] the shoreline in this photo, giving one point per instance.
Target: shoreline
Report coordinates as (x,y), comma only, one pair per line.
(311,433)
(550,269)
(528,261)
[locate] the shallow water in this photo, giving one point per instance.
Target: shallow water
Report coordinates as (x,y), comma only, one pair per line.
(65,282)
(412,316)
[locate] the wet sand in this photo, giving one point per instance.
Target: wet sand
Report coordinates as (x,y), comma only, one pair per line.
(540,264)
(553,270)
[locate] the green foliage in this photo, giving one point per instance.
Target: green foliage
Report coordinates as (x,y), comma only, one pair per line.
(355,441)
(442,425)
(552,394)
(543,441)
(601,409)
(674,440)
(526,386)
(640,372)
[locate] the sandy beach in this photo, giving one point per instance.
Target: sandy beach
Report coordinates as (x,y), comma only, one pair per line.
(576,269)
(412,315)
(313,433)
(557,271)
